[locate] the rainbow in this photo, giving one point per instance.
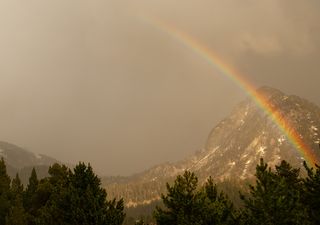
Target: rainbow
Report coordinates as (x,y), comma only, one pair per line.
(284,125)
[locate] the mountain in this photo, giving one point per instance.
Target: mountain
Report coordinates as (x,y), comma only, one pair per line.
(19,160)
(233,149)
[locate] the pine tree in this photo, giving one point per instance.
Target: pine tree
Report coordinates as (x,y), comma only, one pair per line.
(115,212)
(276,197)
(16,215)
(77,198)
(186,204)
(216,207)
(87,199)
(29,198)
(31,189)
(17,186)
(4,192)
(311,196)
(88,203)
(52,192)
(180,202)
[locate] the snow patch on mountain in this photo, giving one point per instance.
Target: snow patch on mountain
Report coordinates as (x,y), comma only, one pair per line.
(281,139)
(261,151)
(37,156)
(245,170)
(203,161)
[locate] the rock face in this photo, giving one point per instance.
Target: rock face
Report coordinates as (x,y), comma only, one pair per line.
(236,145)
(233,149)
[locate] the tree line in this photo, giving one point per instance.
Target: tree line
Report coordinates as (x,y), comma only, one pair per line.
(66,197)
(280,196)
(75,197)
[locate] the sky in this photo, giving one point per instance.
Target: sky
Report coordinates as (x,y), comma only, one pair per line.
(95,81)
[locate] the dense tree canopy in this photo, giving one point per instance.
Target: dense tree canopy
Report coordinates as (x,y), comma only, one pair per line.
(75,197)
(186,204)
(4,192)
(16,214)
(311,193)
(276,197)
(65,197)
(279,196)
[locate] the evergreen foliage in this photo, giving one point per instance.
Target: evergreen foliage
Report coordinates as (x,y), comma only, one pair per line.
(311,194)
(181,202)
(4,192)
(75,197)
(276,197)
(186,204)
(216,207)
(279,196)
(65,198)
(29,199)
(16,214)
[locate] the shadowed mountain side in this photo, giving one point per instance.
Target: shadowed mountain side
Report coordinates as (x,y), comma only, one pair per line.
(21,161)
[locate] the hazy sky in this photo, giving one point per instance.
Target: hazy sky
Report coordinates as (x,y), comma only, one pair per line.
(90,80)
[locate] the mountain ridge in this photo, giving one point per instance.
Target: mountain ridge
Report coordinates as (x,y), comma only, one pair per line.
(22,161)
(233,148)
(13,155)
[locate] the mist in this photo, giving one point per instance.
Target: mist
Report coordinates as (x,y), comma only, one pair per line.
(91,81)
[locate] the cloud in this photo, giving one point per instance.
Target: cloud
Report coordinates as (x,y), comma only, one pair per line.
(259,44)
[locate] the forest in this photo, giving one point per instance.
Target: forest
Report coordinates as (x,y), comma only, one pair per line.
(279,195)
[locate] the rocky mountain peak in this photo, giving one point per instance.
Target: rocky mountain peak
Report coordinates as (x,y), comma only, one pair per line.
(235,146)
(269,91)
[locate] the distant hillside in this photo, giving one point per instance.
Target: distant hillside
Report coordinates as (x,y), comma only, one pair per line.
(21,161)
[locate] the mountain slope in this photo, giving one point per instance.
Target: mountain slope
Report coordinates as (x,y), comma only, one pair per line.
(19,160)
(233,149)
(19,157)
